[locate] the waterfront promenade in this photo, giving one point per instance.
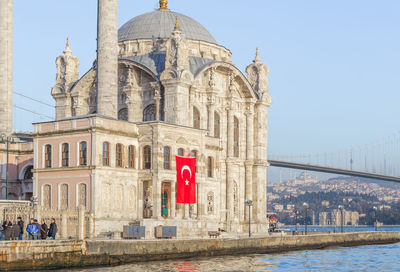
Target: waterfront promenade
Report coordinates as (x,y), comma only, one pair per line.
(30,255)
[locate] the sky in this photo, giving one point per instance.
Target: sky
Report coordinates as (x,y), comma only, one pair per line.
(334,65)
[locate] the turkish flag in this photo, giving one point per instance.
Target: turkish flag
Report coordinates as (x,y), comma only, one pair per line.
(185,180)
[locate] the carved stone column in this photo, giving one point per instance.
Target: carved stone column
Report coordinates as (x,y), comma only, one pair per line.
(249,158)
(211,110)
(157,98)
(229,172)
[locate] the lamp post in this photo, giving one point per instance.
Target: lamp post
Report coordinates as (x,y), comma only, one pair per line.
(249,203)
(341,208)
(306,207)
(7,139)
(376,219)
(295,220)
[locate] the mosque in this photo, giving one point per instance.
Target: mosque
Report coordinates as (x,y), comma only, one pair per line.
(161,86)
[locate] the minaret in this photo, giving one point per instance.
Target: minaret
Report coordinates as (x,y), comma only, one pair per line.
(107,58)
(6,65)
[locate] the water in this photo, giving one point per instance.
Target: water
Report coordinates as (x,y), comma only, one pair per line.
(364,258)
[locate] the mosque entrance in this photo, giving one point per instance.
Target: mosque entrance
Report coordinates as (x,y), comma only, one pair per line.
(166,199)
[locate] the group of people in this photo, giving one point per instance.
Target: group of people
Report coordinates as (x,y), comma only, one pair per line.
(15,230)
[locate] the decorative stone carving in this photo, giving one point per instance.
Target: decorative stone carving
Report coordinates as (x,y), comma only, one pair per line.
(67,71)
(47,196)
(82,195)
(64,197)
(147,199)
(257,74)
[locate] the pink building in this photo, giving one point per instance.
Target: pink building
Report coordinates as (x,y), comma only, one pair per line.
(20,165)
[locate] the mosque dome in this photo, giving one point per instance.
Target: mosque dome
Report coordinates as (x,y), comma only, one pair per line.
(160,24)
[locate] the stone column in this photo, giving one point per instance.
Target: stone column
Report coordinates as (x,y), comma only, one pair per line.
(211,110)
(229,174)
(6,65)
(157,98)
(64,225)
(249,159)
(107,58)
(81,222)
(200,202)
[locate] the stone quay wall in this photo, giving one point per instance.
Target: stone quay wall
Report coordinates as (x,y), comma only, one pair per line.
(30,255)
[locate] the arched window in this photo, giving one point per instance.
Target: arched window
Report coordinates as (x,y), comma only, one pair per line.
(64,196)
(106,154)
(217,125)
(147,157)
(196,118)
(149,113)
(193,154)
(83,153)
(47,156)
(82,195)
(210,203)
(181,151)
(236,137)
(118,155)
(65,155)
(47,196)
(123,115)
(28,172)
(131,156)
(167,157)
(210,167)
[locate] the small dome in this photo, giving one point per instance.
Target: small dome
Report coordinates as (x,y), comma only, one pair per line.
(160,24)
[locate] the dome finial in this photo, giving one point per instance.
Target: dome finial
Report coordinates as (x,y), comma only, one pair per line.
(164,5)
(257,58)
(67,50)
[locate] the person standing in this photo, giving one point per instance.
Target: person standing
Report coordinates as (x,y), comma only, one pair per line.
(43,231)
(21,226)
(32,230)
(7,229)
(16,230)
(53,229)
(39,227)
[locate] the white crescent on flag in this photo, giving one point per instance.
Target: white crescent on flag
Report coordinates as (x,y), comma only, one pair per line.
(185,167)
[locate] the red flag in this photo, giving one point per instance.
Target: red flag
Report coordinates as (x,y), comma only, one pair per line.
(185,180)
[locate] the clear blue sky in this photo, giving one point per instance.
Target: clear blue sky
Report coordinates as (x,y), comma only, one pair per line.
(335,72)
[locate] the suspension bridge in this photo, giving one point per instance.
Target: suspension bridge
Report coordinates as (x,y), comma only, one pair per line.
(375,160)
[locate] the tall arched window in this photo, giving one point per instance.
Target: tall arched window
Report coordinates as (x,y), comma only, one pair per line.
(64,196)
(47,156)
(217,125)
(196,118)
(236,137)
(193,154)
(210,167)
(147,157)
(149,113)
(118,155)
(167,157)
(181,151)
(65,155)
(131,156)
(28,172)
(83,153)
(106,154)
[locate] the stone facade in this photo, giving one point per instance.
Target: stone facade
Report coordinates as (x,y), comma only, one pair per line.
(176,96)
